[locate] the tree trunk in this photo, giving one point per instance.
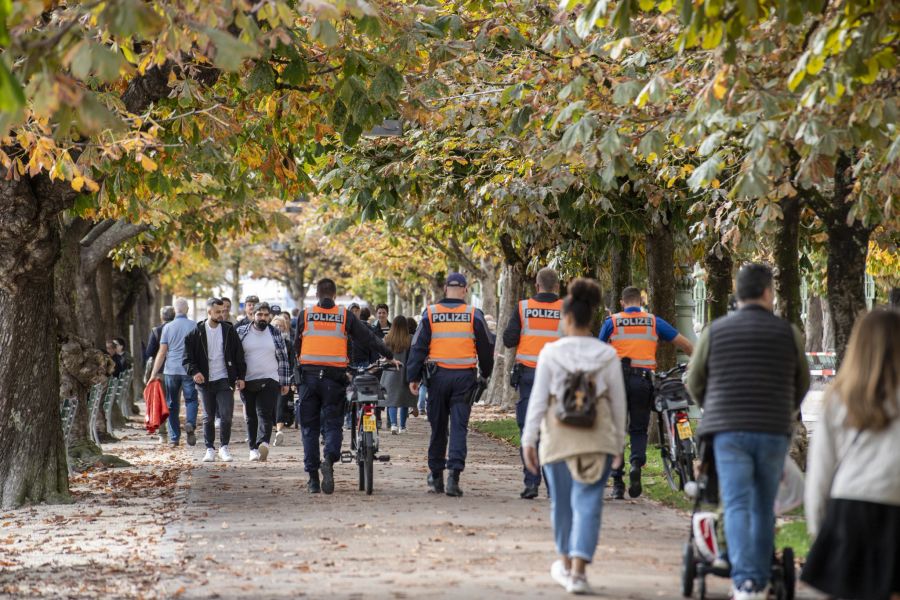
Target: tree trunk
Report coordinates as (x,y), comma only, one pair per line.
(236,278)
(660,246)
(787,262)
(827,327)
(719,266)
(814,325)
(104,283)
(489,287)
(847,250)
(499,392)
(620,272)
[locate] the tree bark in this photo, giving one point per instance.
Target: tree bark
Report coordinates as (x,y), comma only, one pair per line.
(814,325)
(620,271)
(827,327)
(499,392)
(787,262)
(103,281)
(719,265)
(660,245)
(489,281)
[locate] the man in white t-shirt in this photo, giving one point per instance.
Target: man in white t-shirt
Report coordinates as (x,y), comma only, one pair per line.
(268,377)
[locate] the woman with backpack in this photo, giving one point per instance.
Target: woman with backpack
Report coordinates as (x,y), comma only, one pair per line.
(398,398)
(577,406)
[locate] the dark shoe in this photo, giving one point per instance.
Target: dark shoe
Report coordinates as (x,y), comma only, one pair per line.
(453,485)
(191,437)
(618,491)
(529,493)
(327,476)
(313,486)
(435,483)
(634,482)
(173,443)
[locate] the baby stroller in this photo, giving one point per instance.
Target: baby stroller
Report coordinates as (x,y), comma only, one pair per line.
(705,552)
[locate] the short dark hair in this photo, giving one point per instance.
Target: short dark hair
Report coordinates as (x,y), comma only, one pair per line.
(752,281)
(326,288)
(226,299)
(213,301)
(365,313)
(295,311)
(120,341)
(583,301)
(262,306)
(631,295)
(380,306)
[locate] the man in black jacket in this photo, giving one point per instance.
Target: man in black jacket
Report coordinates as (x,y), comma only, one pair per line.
(214,357)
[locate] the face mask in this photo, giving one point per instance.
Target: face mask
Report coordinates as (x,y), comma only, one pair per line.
(261,325)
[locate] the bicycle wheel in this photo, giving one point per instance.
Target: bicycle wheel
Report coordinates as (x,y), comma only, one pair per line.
(368,449)
(685,462)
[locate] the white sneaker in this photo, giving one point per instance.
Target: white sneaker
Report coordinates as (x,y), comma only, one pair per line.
(210,455)
(403,430)
(748,591)
(279,438)
(394,430)
(578,585)
(559,573)
(263,452)
(254,455)
(225,455)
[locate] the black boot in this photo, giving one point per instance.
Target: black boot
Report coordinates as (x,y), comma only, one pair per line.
(634,481)
(313,486)
(436,483)
(529,493)
(618,491)
(453,485)
(327,476)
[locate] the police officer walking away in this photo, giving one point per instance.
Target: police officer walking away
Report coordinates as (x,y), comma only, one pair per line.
(321,346)
(635,333)
(453,338)
(537,322)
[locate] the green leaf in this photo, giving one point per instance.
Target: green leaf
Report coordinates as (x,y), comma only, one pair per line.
(711,143)
(230,51)
(325,32)
(12,97)
(625,92)
(262,77)
(610,144)
(706,172)
(388,83)
(653,142)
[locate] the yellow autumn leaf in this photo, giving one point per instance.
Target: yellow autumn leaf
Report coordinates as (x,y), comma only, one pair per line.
(78,183)
(719,87)
(91,185)
(147,163)
(715,183)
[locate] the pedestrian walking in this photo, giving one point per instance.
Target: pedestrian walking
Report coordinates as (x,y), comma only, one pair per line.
(635,334)
(537,323)
(214,358)
(451,345)
(853,472)
(321,345)
(749,373)
(250,303)
(577,407)
(166,315)
(382,325)
(268,377)
(226,316)
(285,414)
(398,399)
(176,381)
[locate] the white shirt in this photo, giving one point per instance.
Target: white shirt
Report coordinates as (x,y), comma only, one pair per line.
(216,353)
(259,354)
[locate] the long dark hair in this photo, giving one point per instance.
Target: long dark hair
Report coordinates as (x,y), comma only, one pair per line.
(583,301)
(398,338)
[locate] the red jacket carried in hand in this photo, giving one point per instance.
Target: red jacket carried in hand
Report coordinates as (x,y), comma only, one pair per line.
(157,411)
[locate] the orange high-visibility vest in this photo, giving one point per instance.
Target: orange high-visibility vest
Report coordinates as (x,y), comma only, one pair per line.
(541,323)
(324,337)
(452,336)
(634,336)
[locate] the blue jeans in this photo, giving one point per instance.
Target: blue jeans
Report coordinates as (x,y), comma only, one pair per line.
(423,397)
(175,385)
(749,465)
(394,412)
(575,509)
(526,382)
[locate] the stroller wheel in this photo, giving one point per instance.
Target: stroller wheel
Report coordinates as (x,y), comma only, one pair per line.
(790,573)
(688,570)
(701,588)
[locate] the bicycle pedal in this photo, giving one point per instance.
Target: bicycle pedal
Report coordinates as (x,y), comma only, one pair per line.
(346,457)
(384,458)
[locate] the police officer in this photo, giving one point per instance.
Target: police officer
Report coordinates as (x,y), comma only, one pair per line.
(321,346)
(537,322)
(635,333)
(453,337)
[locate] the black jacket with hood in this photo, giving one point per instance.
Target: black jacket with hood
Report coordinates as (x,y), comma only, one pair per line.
(196,352)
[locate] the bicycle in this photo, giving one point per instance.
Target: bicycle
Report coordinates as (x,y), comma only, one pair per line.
(364,395)
(676,436)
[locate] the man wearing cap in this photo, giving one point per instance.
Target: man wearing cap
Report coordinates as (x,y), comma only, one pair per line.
(455,338)
(321,346)
(537,322)
(250,303)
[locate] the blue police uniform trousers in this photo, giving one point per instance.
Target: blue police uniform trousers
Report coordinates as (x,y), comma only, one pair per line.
(448,412)
(639,392)
(526,382)
(321,413)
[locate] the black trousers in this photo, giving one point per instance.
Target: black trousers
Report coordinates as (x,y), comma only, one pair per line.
(259,409)
(639,391)
(218,399)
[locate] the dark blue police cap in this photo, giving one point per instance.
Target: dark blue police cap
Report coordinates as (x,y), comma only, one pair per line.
(456,280)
